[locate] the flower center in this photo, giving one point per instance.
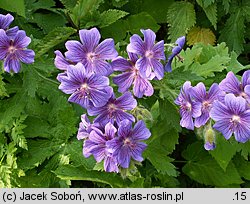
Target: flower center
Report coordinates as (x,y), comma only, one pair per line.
(188,106)
(235,119)
(206,104)
(84,86)
(149,54)
(91,56)
(11,49)
(243,94)
(111,107)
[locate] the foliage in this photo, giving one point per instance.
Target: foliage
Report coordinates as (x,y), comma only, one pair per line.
(38,126)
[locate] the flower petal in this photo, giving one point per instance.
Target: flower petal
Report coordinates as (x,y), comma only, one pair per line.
(140,131)
(201,120)
(246,78)
(224,126)
(236,104)
(136,45)
(121,64)
(123,81)
(60,61)
(90,39)
(21,40)
(149,38)
(110,130)
(120,115)
(126,101)
(98,97)
(142,87)
(230,84)
(11,63)
(136,152)
(144,66)
(110,164)
(102,67)
(75,51)
(5,21)
(158,68)
(158,50)
(219,111)
(76,97)
(97,137)
(199,92)
(214,92)
(26,56)
(11,33)
(187,121)
(124,157)
(106,50)
(98,82)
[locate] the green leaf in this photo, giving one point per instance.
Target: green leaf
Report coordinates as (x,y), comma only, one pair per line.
(11,108)
(205,60)
(215,64)
(74,150)
(181,17)
(224,151)
(69,3)
(2,88)
(234,65)
(157,9)
(243,167)
(13,6)
(37,153)
(169,114)
(233,31)
(17,132)
(210,8)
(202,168)
(49,21)
(157,155)
(55,37)
(110,16)
(30,81)
(226,4)
(82,9)
(69,172)
(245,149)
(132,24)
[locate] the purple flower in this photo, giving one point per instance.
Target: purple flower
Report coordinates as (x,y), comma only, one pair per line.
(175,51)
(90,54)
(209,146)
(85,127)
(96,145)
(61,62)
(128,142)
(131,75)
(232,117)
(206,99)
(232,85)
(114,110)
(12,51)
(189,109)
(150,53)
(87,88)
(5,21)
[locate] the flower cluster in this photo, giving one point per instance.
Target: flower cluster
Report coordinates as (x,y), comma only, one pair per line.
(111,137)
(13,45)
(227,104)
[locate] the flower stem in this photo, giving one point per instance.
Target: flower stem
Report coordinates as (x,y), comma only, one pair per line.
(47,79)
